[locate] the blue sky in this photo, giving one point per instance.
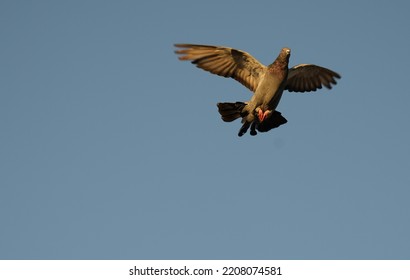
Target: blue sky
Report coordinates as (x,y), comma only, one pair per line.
(111,148)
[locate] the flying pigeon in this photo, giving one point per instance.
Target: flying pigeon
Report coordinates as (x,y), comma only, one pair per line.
(266,82)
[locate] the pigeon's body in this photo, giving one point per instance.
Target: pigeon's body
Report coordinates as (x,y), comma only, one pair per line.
(267,82)
(267,94)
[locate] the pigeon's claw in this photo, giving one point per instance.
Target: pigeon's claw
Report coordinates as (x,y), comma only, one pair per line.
(261,115)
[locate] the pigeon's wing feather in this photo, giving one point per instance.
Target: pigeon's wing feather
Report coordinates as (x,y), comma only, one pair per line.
(223,61)
(309,77)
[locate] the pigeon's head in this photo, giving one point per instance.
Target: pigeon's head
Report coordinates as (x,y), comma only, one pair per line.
(286,50)
(285,54)
(281,62)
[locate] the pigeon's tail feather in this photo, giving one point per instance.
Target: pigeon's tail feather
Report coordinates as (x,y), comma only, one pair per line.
(231,111)
(245,128)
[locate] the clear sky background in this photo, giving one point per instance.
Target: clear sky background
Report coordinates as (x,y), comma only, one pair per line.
(111,148)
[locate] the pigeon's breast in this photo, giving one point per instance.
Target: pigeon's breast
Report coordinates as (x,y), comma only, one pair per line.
(270,91)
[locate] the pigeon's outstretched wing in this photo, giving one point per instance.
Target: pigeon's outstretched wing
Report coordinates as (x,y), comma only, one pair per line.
(309,77)
(226,62)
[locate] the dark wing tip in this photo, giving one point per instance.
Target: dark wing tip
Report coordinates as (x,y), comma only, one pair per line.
(337,75)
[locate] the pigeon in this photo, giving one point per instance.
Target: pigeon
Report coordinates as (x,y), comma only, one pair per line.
(266,82)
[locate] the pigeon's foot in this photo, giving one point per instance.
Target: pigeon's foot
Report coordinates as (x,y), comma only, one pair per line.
(260,115)
(263,115)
